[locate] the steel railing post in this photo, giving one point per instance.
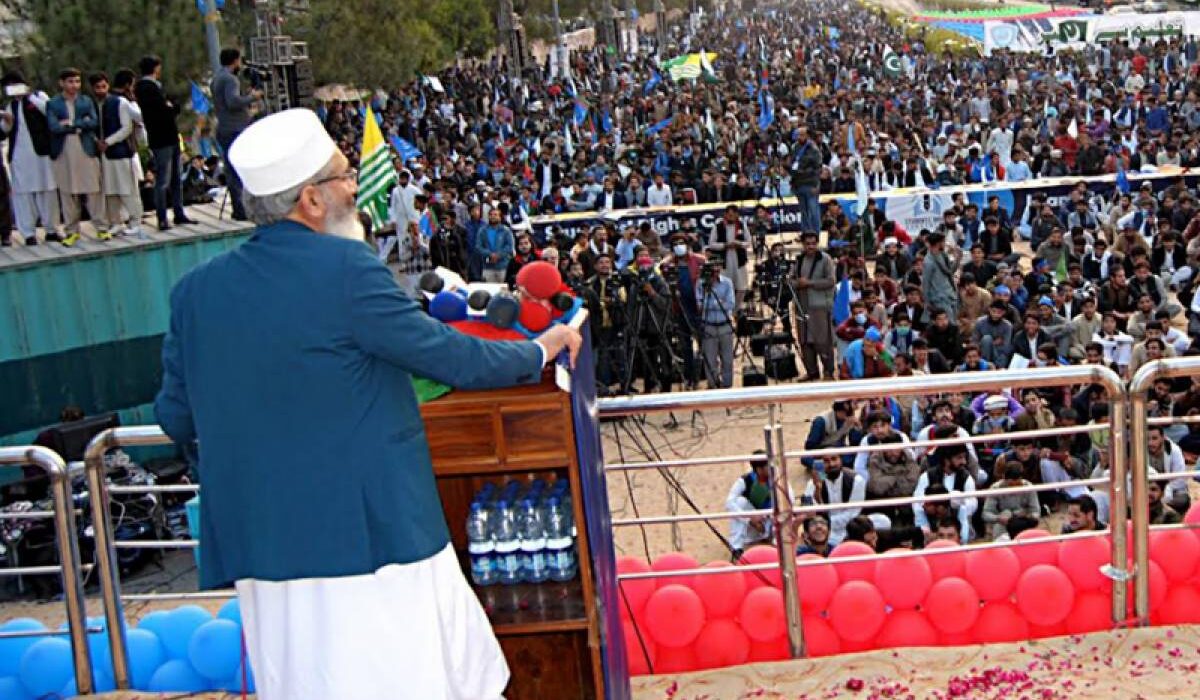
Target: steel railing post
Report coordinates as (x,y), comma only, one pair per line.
(783,518)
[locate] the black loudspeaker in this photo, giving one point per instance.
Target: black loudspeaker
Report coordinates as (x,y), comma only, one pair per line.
(782,366)
(759,343)
(748,326)
(753,377)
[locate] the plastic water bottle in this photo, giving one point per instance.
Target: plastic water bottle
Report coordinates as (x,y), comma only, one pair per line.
(560,546)
(480,546)
(563,491)
(533,543)
(508,555)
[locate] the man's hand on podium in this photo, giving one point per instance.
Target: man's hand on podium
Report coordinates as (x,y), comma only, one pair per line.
(560,337)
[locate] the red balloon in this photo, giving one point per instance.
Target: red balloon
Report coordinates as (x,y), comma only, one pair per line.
(857,611)
(1192,517)
(1092,612)
(906,628)
(1045,595)
(1158,589)
(721,593)
(1000,621)
(1180,607)
(816,582)
(952,605)
(721,643)
(774,650)
(819,637)
(955,639)
(944,564)
(861,571)
(640,653)
(675,660)
(1080,559)
(762,554)
(993,572)
(674,616)
(635,593)
(1176,551)
(762,614)
(903,580)
(1030,554)
(674,561)
(1058,629)
(851,647)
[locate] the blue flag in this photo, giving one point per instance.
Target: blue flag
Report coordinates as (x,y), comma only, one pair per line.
(655,79)
(606,122)
(200,103)
(1122,179)
(766,108)
(741,49)
(406,150)
(655,128)
(581,112)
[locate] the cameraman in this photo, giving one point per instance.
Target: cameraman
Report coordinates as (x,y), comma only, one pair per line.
(761,226)
(681,270)
(716,300)
(233,111)
(771,276)
(608,321)
(647,333)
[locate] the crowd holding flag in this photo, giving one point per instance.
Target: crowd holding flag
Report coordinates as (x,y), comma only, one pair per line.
(376,176)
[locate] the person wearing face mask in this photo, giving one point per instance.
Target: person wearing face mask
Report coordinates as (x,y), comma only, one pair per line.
(682,270)
(648,335)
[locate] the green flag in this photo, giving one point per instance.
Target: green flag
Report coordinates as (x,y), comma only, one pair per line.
(376,174)
(891,63)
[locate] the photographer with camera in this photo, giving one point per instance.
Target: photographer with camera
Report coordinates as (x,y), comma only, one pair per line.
(233,111)
(607,312)
(682,272)
(647,333)
(761,226)
(771,276)
(715,295)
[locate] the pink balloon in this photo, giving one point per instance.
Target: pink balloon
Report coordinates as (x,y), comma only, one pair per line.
(1092,612)
(1080,559)
(856,611)
(944,564)
(819,637)
(721,643)
(861,571)
(1192,516)
(1045,595)
(1058,629)
(1180,607)
(952,605)
(1158,589)
(674,561)
(637,650)
(1176,551)
(635,593)
(1030,554)
(816,582)
(906,628)
(675,660)
(852,647)
(1000,621)
(955,639)
(674,616)
(774,650)
(762,614)
(762,554)
(903,580)
(721,593)
(993,572)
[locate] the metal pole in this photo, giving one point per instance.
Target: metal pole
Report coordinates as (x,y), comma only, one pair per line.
(785,539)
(660,28)
(560,50)
(212,37)
(68,553)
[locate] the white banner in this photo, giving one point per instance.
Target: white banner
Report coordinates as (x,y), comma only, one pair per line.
(1058,33)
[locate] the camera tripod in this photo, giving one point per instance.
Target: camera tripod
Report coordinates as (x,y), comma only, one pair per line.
(740,346)
(658,358)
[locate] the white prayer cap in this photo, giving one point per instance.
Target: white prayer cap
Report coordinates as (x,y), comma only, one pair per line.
(281,151)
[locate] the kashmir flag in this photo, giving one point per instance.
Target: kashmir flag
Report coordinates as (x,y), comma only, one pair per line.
(690,66)
(1060,271)
(376,174)
(891,63)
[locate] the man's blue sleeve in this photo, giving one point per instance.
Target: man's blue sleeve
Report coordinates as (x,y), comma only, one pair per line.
(171,407)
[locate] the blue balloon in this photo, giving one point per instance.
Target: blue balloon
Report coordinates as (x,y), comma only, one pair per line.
(46,666)
(12,649)
(216,649)
(69,690)
(155,622)
(11,689)
(231,611)
(234,685)
(180,625)
(146,654)
(177,676)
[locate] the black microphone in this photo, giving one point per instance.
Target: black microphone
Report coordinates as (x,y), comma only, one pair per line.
(431,282)
(479,299)
(502,310)
(562,301)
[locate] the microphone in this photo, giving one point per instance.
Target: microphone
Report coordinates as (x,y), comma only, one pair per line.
(502,310)
(478,301)
(431,282)
(562,301)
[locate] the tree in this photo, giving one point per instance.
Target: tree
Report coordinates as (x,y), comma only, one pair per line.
(467,26)
(95,35)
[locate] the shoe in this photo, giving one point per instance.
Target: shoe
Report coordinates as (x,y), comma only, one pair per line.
(32,240)
(104,235)
(136,231)
(53,237)
(71,240)
(240,217)
(163,225)
(184,221)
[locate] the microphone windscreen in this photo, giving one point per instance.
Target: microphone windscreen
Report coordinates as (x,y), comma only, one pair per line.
(448,306)
(534,317)
(431,282)
(562,301)
(539,278)
(479,299)
(502,311)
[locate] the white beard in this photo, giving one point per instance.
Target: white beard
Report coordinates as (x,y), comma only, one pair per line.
(343,221)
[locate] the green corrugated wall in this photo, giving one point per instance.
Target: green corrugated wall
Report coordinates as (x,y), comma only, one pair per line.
(87,331)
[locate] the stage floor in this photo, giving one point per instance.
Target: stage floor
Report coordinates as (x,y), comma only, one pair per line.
(1158,662)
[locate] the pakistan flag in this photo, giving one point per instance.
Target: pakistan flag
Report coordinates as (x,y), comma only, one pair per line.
(891,63)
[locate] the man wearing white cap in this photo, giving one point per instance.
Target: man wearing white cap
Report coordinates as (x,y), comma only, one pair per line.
(290,360)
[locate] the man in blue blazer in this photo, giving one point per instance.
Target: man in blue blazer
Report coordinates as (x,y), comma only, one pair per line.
(288,364)
(73,154)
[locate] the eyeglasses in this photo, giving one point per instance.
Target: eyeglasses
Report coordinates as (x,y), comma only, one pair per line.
(349,174)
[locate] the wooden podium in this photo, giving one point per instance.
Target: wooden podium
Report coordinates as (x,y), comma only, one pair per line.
(550,632)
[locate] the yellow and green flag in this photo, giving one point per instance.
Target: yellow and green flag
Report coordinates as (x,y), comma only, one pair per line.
(376,175)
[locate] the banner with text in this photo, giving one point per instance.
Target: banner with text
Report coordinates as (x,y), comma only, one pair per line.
(1058,33)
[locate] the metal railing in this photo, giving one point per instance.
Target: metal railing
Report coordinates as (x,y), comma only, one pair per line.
(785,516)
(106,545)
(66,535)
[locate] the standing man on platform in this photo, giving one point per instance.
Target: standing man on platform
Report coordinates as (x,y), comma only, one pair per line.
(73,127)
(163,136)
(234,112)
(120,120)
(303,389)
(34,192)
(813,282)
